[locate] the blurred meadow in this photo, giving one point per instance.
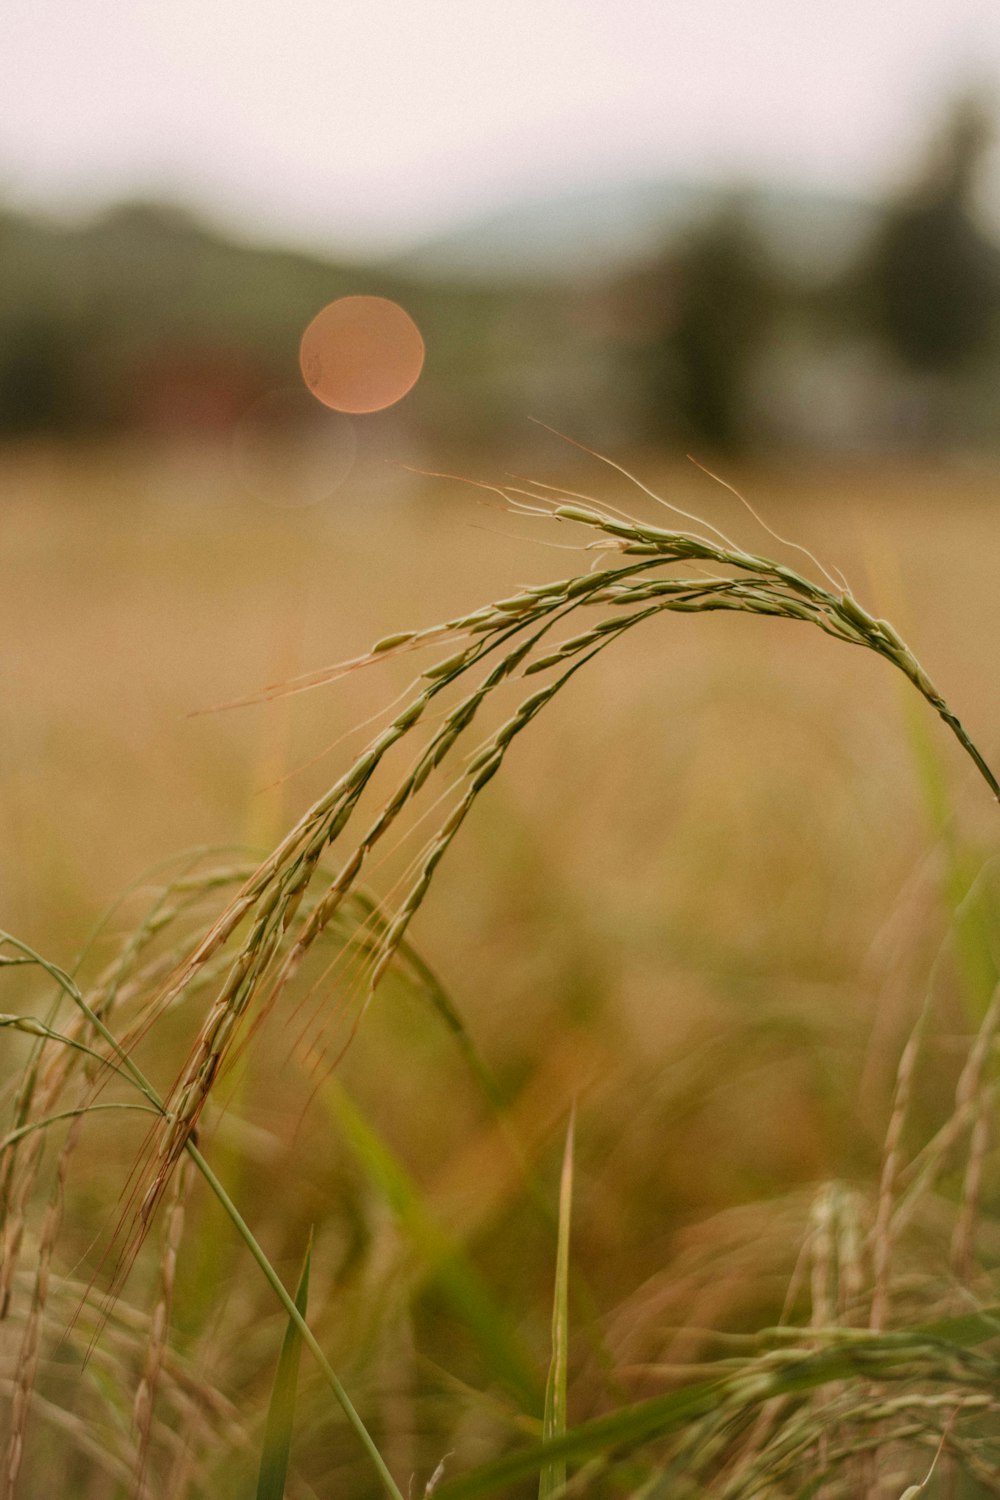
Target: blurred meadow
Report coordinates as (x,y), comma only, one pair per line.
(665,1139)
(707,901)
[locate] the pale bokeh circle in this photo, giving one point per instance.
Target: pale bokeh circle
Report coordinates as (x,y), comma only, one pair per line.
(361,354)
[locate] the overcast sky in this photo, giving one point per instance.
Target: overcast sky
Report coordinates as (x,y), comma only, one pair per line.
(367,124)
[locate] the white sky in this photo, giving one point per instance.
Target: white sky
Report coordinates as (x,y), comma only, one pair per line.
(370,123)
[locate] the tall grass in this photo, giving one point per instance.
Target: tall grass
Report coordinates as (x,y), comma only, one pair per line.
(875,1361)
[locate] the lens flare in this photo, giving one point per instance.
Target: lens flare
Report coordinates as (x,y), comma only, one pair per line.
(361,354)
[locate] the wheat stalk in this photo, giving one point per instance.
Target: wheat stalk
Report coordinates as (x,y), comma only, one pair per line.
(514,638)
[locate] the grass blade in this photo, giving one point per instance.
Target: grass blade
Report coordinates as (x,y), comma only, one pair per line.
(309,1338)
(553,1476)
(131,1070)
(281,1411)
(444,1258)
(935,1352)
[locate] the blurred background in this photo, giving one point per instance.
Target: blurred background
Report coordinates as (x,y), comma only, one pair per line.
(719,879)
(654,225)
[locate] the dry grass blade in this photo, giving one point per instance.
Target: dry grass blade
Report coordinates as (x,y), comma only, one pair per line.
(553,1475)
(145,1396)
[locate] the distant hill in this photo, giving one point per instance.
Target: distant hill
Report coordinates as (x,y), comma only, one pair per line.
(601,231)
(143,318)
(145,315)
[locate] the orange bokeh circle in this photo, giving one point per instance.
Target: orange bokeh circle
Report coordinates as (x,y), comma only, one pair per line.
(361,354)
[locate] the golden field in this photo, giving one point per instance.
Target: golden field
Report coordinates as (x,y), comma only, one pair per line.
(706,900)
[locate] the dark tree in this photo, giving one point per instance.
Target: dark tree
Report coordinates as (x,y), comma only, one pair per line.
(712,305)
(930,281)
(38,387)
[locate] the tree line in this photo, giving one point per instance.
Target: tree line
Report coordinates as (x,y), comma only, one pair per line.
(146,320)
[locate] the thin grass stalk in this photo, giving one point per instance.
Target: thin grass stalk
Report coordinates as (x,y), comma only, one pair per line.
(277,1444)
(552,1481)
(145,1396)
(270,1275)
(883,1232)
(49,1068)
(971,1096)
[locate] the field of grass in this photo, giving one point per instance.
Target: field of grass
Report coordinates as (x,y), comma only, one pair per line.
(717,885)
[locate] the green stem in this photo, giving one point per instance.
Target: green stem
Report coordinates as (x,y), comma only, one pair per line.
(288,1303)
(229,1207)
(70,1114)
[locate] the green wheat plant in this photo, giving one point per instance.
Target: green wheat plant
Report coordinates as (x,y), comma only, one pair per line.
(821,1399)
